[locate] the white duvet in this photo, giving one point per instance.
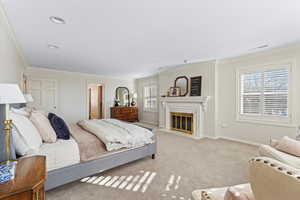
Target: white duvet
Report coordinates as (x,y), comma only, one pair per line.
(116,134)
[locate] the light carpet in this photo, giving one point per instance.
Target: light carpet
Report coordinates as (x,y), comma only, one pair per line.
(182,165)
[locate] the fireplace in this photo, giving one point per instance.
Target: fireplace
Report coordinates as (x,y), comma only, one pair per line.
(182,122)
(183,115)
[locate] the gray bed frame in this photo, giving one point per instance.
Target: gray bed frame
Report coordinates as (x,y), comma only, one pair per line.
(75,172)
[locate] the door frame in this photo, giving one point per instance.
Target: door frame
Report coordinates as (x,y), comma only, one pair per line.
(87,107)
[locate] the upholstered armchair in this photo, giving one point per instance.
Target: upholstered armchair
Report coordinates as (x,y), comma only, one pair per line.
(269,180)
(271,152)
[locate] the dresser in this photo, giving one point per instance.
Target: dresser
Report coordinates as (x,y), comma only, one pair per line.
(29,180)
(129,114)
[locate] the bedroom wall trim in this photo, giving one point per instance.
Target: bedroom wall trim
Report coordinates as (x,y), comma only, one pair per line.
(240,141)
(149,122)
(234,140)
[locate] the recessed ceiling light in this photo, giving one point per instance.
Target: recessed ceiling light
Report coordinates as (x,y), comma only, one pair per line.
(57,20)
(52,46)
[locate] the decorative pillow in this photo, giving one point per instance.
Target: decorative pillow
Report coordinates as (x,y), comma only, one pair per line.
(239,192)
(289,145)
(43,112)
(60,127)
(27,130)
(21,111)
(274,143)
(44,127)
(21,147)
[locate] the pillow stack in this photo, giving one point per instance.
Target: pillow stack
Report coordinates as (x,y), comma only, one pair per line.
(31,129)
(44,127)
(26,136)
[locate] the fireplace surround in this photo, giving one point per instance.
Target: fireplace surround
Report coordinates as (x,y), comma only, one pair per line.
(192,106)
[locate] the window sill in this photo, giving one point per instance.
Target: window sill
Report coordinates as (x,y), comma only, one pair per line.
(268,123)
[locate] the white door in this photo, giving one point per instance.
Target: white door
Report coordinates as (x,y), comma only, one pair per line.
(44,93)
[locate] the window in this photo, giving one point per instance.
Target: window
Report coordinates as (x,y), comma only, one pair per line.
(264,94)
(150,98)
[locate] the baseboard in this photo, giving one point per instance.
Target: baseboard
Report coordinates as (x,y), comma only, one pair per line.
(238,140)
(151,123)
(211,137)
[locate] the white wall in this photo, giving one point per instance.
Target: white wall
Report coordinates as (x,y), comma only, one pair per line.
(259,133)
(204,69)
(11,63)
(145,116)
(72,90)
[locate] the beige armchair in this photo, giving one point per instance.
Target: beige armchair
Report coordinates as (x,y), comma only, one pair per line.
(269,180)
(270,152)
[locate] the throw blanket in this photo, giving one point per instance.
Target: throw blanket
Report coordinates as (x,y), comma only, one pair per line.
(116,134)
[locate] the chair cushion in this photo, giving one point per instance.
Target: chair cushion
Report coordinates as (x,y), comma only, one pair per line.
(59,126)
(44,127)
(239,192)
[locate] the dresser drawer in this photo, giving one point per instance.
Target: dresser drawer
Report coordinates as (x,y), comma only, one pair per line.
(129,114)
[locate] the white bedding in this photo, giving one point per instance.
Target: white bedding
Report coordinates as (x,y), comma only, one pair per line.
(60,154)
(116,134)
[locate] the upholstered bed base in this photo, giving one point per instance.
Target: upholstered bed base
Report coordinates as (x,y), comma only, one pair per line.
(75,172)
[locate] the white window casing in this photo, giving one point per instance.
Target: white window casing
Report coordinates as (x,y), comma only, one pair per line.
(264,94)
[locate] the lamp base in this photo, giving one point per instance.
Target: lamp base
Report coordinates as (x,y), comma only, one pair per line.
(7,162)
(7,171)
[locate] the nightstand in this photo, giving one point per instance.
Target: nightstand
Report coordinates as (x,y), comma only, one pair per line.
(29,180)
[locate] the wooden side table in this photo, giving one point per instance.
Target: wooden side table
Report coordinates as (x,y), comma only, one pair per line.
(29,180)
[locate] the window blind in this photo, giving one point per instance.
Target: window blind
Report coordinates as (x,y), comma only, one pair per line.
(150,98)
(265,93)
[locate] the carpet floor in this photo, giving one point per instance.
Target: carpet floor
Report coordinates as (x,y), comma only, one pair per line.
(182,165)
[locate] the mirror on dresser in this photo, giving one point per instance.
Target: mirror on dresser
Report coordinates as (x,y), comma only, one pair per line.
(122,96)
(122,109)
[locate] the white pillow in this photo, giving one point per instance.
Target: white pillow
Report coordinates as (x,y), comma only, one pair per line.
(21,111)
(27,130)
(44,127)
(20,146)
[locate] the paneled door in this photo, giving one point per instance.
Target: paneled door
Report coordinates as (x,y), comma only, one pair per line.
(44,93)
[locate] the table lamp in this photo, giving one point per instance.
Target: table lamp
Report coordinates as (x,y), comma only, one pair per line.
(9,94)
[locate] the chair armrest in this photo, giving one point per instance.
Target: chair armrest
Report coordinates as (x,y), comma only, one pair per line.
(273,180)
(271,152)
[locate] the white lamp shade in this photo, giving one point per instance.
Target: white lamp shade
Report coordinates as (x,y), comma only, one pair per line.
(10,94)
(28,98)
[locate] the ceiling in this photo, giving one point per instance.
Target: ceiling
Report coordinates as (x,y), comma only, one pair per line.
(137,37)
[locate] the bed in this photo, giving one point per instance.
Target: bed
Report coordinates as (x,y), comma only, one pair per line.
(86,152)
(88,163)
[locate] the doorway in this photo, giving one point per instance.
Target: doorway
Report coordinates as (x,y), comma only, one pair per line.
(95,99)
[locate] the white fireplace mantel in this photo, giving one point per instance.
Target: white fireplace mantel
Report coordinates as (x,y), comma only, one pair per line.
(202,100)
(194,105)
